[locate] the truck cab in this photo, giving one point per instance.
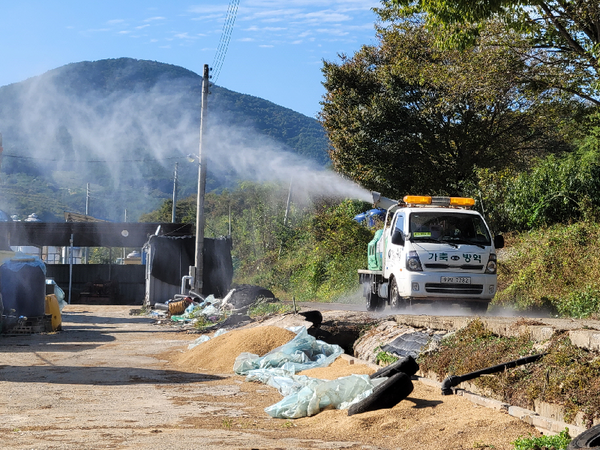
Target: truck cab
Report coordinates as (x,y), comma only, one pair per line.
(432,250)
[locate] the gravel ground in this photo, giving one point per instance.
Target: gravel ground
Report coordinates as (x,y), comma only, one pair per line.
(110,380)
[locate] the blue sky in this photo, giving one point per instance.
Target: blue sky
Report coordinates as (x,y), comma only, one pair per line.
(275,51)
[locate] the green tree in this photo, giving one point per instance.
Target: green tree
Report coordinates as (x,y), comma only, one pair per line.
(406,115)
(563,34)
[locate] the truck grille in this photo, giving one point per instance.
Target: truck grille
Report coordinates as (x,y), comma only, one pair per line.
(447,266)
(443,288)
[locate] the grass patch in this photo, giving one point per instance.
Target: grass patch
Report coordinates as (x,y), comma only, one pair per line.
(568,376)
(555,268)
(202,322)
(385,358)
(557,442)
(265,309)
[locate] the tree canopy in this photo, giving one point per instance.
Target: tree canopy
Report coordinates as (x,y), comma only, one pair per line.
(564,34)
(407,115)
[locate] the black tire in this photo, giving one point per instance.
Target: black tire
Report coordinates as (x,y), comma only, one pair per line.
(373,301)
(589,439)
(478,307)
(396,302)
(406,365)
(386,395)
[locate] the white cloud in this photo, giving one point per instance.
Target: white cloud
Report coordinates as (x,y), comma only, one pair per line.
(207,9)
(325,16)
(154,19)
(115,21)
(185,36)
(255,28)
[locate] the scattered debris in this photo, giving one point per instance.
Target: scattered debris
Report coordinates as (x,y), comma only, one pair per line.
(207,314)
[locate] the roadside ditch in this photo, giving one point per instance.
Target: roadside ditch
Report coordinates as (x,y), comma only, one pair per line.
(561,390)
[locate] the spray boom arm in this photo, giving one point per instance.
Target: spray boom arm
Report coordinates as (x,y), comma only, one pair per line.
(383,202)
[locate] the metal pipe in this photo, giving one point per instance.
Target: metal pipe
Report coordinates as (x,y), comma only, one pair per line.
(183,282)
(70,267)
(454,380)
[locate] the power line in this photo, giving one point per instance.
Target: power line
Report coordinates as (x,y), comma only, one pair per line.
(225,38)
(94,160)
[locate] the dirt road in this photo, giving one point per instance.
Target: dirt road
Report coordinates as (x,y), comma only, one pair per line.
(107,381)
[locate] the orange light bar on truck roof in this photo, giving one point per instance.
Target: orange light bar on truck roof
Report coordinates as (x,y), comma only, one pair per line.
(462,201)
(417,199)
(438,201)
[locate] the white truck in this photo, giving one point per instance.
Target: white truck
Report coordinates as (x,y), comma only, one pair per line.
(431,250)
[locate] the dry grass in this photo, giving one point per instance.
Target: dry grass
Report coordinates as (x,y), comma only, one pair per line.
(568,376)
(556,268)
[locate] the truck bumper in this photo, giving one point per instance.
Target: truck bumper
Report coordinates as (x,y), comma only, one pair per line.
(435,286)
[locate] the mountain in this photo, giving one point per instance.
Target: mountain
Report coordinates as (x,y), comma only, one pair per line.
(122,124)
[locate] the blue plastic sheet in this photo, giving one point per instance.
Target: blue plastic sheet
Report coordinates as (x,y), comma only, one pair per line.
(303,396)
(315,395)
(20,260)
(301,353)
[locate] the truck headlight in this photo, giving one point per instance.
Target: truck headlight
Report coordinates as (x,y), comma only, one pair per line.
(492,266)
(413,263)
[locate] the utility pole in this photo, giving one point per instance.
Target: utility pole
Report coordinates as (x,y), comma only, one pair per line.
(87,199)
(87,212)
(199,260)
(285,218)
(1,149)
(174,195)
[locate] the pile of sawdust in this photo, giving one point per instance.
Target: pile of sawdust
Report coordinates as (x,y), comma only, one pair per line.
(339,368)
(219,353)
(425,420)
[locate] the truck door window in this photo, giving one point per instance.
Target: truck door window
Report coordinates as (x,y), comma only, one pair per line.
(397,230)
(399,225)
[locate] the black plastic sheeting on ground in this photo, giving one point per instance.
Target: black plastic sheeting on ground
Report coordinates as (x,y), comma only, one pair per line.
(409,344)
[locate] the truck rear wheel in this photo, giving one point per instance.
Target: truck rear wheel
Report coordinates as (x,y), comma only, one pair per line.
(373,301)
(396,302)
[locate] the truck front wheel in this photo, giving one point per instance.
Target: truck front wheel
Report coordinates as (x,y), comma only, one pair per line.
(396,302)
(478,307)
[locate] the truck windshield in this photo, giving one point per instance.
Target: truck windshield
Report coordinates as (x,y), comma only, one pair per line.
(449,227)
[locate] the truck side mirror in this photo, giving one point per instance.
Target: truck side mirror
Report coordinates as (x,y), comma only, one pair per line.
(397,237)
(499,241)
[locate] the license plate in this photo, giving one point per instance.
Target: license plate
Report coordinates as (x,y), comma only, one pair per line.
(456,280)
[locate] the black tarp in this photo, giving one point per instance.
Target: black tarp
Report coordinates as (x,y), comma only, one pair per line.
(171,258)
